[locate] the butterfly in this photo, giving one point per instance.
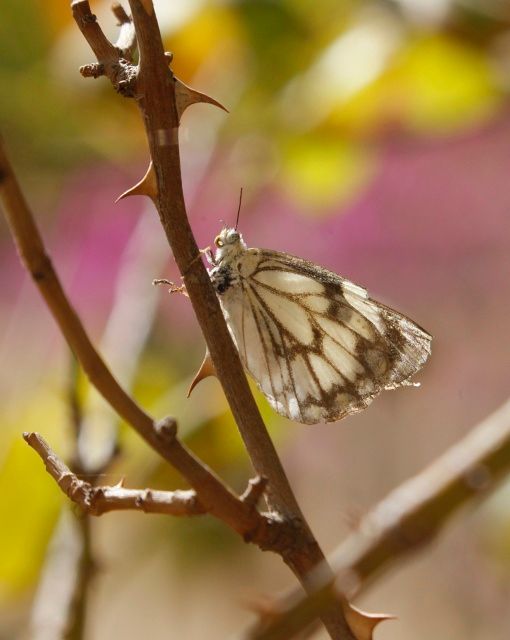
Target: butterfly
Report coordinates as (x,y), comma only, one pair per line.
(318,347)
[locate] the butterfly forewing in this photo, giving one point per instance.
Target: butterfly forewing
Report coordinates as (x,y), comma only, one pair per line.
(318,347)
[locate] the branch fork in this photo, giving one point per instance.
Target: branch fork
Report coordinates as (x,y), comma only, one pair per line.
(96,500)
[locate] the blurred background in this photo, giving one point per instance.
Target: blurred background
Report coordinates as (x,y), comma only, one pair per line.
(372,137)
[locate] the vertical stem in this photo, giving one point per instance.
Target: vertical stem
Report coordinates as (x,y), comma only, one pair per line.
(84,573)
(156,100)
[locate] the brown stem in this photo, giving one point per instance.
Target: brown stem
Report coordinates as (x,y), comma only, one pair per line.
(155,90)
(156,98)
(84,573)
(75,625)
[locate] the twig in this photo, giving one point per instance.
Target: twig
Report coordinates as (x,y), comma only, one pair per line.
(213,494)
(84,564)
(95,500)
(126,42)
(409,518)
(76,623)
(56,610)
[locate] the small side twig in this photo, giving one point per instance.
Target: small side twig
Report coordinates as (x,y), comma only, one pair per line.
(126,41)
(96,500)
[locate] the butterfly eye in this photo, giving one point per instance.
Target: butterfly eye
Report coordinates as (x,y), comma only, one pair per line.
(218,241)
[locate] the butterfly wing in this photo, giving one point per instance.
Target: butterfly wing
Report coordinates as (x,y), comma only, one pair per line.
(318,347)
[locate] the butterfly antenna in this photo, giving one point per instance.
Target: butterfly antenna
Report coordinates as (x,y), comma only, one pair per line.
(239,208)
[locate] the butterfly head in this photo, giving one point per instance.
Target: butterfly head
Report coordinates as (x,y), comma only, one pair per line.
(229,243)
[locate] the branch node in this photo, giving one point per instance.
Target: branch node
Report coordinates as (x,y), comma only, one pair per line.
(92,70)
(166,430)
(94,497)
(124,77)
(478,477)
(143,500)
(272,533)
(40,267)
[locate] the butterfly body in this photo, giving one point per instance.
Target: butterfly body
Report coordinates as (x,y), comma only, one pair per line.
(318,347)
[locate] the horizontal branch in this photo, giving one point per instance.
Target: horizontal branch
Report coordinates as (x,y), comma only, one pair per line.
(410,517)
(97,500)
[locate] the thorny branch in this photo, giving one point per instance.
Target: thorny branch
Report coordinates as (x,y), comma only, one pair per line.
(161,98)
(409,518)
(96,500)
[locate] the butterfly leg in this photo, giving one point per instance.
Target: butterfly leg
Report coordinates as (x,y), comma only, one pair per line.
(201,252)
(182,288)
(173,287)
(207,252)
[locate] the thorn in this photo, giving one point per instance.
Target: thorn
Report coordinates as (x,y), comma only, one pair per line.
(146,187)
(120,484)
(206,369)
(362,624)
(186,96)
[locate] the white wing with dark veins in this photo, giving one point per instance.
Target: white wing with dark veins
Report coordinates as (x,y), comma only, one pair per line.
(318,347)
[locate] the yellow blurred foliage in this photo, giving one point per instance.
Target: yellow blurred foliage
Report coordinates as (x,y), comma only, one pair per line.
(433,85)
(319,171)
(212,31)
(29,512)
